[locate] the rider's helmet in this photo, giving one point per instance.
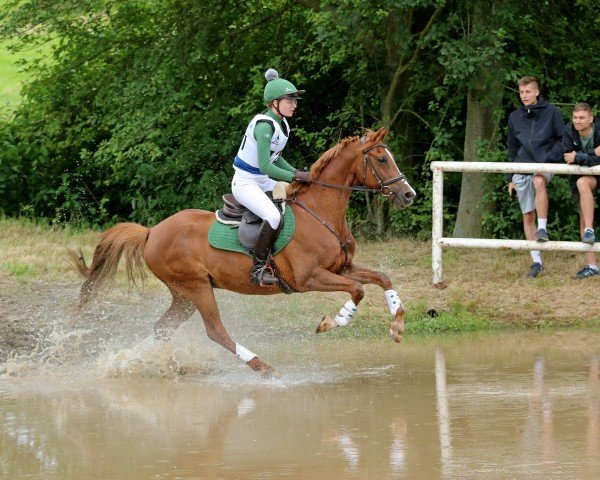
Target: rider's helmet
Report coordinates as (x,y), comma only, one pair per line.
(278,87)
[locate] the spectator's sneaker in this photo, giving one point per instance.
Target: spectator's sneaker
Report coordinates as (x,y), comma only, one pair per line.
(588,236)
(535,270)
(586,272)
(541,235)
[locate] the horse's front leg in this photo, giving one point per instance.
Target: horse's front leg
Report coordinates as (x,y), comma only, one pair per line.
(322,280)
(368,276)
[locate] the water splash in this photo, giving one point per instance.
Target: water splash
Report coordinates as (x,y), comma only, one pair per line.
(185,354)
(59,347)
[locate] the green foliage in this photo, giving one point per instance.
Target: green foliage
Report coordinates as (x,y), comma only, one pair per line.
(143,105)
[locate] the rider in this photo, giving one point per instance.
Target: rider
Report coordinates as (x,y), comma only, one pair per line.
(259,164)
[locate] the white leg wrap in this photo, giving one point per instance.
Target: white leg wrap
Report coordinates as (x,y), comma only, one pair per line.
(346,314)
(393,300)
(243,353)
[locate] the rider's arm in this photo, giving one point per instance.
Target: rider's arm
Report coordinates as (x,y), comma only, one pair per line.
(282,163)
(263,132)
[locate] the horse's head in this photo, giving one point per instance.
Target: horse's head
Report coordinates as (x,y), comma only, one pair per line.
(378,170)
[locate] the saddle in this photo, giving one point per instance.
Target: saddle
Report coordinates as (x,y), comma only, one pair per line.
(248,224)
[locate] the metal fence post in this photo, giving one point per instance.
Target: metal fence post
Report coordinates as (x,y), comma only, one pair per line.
(437,224)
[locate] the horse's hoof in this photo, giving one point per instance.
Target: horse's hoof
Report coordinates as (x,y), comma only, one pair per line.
(271,373)
(395,334)
(397,328)
(266,371)
(326,324)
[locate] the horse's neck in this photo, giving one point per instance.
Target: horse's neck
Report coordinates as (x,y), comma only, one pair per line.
(329,202)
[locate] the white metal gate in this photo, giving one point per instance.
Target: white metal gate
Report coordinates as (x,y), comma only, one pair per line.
(439,242)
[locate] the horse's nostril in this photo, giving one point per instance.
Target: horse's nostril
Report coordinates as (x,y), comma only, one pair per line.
(409,195)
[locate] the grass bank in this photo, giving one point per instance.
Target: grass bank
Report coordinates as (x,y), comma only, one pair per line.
(483,289)
(12,75)
(11,78)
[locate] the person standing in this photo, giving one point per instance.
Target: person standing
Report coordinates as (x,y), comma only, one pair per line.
(535,133)
(581,144)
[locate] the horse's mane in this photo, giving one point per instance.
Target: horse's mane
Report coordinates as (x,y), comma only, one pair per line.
(322,162)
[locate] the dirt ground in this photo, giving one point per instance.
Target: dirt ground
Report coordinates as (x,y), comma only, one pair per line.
(27,311)
(33,310)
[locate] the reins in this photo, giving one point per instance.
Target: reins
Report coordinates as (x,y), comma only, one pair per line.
(345,245)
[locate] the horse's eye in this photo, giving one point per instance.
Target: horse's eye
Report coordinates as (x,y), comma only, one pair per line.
(381,159)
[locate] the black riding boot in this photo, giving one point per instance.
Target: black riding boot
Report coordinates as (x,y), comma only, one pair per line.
(260,273)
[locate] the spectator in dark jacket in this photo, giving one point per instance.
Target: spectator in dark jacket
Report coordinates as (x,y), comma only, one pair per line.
(535,134)
(581,144)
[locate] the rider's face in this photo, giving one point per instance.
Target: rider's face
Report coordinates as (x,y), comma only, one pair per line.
(287,106)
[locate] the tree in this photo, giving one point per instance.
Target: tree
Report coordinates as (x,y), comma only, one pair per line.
(480,51)
(380,47)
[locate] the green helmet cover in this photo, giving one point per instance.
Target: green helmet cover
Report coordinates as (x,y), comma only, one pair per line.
(278,87)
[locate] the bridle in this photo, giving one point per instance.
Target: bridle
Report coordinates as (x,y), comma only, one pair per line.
(384,185)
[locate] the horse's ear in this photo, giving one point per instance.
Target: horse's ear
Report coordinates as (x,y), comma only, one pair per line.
(381,133)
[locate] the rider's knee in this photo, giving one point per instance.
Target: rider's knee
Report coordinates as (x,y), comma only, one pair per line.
(274,220)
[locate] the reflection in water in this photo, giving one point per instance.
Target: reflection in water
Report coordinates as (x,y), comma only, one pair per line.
(593,424)
(487,408)
(442,409)
(398,447)
(538,431)
(349,450)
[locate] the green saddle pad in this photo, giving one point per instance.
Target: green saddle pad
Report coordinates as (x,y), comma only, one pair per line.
(225,237)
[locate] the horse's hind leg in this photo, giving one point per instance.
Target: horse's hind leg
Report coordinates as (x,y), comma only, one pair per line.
(202,295)
(178,312)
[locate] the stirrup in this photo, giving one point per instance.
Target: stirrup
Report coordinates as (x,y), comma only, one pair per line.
(262,274)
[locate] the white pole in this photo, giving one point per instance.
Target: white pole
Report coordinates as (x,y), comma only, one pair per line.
(445,242)
(510,167)
(437,225)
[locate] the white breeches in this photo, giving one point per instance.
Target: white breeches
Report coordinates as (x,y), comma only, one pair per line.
(249,190)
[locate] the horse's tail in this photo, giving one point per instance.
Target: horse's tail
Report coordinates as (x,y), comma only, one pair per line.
(127,238)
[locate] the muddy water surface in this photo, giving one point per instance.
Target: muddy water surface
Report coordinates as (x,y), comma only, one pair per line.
(502,406)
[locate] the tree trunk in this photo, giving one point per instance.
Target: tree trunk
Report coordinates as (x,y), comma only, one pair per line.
(480,125)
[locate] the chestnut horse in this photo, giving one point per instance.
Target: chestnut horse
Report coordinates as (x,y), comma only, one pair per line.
(318,258)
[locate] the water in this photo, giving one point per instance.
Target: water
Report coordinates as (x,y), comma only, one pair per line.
(501,406)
